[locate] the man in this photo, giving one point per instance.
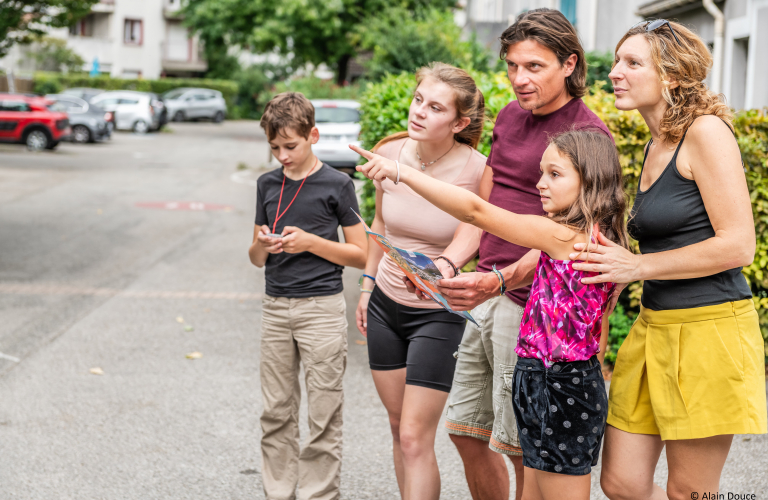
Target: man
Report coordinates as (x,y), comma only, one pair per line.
(548,72)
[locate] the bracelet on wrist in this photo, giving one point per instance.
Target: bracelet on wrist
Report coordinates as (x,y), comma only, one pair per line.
(502,283)
(360,283)
(450,263)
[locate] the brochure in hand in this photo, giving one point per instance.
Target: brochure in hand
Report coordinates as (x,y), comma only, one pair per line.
(419,268)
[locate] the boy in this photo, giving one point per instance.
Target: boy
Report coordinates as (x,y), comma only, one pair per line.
(298,210)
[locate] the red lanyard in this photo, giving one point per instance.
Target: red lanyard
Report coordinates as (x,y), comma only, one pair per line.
(280,200)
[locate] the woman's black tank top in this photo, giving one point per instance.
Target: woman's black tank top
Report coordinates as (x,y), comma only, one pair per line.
(669,215)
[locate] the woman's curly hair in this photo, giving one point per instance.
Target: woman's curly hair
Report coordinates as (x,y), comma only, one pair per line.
(686,63)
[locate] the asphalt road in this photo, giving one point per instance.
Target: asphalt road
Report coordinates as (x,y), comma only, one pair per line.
(127,256)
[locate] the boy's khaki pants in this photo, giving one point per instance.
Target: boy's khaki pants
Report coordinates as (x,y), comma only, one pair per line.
(312,331)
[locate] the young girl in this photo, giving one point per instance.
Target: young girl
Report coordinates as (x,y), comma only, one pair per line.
(559,394)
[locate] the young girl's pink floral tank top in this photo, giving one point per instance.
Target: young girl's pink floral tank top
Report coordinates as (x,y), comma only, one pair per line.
(563,318)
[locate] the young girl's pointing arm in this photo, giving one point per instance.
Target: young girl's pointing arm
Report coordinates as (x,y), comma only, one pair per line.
(530,231)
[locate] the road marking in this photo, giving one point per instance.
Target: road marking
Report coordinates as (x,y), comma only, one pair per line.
(183,205)
(9,357)
(58,289)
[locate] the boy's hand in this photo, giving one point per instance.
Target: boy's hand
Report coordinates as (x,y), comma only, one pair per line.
(378,168)
(296,240)
(268,243)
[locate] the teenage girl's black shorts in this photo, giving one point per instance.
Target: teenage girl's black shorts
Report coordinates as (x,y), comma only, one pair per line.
(421,340)
(560,413)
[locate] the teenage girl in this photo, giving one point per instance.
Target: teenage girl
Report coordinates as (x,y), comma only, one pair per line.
(411,342)
(559,394)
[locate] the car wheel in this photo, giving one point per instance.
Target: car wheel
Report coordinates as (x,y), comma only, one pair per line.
(37,140)
(218,117)
(81,134)
(178,117)
(140,127)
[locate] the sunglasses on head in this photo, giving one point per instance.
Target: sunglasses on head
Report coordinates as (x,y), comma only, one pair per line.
(654,25)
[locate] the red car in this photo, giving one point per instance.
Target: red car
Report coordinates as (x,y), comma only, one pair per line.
(28,120)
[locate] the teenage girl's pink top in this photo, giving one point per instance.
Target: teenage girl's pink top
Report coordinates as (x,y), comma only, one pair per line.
(563,318)
(412,223)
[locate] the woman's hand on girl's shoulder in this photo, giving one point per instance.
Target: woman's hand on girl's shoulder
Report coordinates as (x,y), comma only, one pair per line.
(615,263)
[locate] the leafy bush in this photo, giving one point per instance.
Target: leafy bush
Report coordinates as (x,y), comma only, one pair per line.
(598,66)
(621,322)
(51,83)
(385,104)
(316,88)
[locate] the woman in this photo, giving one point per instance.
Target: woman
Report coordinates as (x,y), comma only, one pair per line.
(411,342)
(691,372)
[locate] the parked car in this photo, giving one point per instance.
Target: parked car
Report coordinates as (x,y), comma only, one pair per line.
(338,121)
(160,108)
(133,110)
(83,93)
(28,120)
(88,121)
(190,104)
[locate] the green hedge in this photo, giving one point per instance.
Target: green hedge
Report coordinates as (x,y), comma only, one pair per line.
(52,83)
(384,107)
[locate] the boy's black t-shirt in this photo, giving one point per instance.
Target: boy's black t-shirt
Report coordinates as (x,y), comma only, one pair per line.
(326,201)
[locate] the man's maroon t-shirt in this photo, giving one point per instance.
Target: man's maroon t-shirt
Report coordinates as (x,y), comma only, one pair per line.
(519,140)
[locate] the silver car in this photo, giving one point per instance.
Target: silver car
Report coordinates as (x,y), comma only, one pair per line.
(137,111)
(338,121)
(191,104)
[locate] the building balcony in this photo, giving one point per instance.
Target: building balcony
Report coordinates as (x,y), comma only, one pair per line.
(656,7)
(172,10)
(104,7)
(183,56)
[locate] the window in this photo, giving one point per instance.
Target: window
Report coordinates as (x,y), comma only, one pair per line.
(133,32)
(568,8)
(336,115)
(128,101)
(83,27)
(14,106)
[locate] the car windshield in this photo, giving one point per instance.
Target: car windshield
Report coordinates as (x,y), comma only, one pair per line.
(173,94)
(58,106)
(336,115)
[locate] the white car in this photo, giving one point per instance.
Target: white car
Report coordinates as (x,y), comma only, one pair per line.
(338,121)
(190,104)
(137,111)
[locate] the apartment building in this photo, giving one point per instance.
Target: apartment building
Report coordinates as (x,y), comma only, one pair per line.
(729,27)
(732,28)
(600,22)
(128,39)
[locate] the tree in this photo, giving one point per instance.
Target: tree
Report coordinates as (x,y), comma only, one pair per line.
(23,21)
(311,31)
(400,40)
(54,55)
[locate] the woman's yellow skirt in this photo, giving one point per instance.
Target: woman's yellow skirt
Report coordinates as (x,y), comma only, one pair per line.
(691,373)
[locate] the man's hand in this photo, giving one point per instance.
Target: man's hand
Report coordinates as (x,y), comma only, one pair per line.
(296,240)
(268,243)
(445,270)
(469,290)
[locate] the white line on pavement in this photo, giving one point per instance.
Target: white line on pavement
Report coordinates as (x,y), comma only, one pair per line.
(9,357)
